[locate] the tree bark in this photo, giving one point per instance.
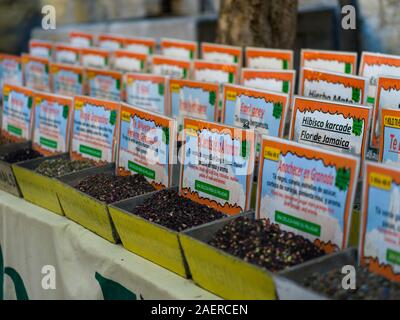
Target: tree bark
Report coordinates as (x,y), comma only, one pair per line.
(259,23)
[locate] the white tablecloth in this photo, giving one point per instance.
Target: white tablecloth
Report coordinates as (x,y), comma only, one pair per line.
(45,256)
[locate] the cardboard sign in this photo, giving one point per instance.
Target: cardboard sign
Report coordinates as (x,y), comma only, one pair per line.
(332,86)
(307,191)
(338,127)
(375,64)
(389,151)
(379,235)
(262,110)
(387,97)
(17,115)
(147,91)
(67,79)
(128,61)
(174,68)
(217,164)
(66,53)
(334,61)
(95,129)
(215,72)
(140,45)
(275,59)
(81,39)
(275,80)
(110,42)
(194,99)
(104,84)
(147,146)
(10,71)
(36,72)
(178,48)
(51,125)
(41,48)
(221,53)
(95,58)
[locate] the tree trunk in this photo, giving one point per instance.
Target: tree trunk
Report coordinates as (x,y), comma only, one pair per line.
(259,23)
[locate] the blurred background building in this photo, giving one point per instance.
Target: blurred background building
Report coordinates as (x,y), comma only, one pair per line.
(319,21)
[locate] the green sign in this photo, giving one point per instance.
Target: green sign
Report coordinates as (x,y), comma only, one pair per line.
(90,151)
(297,223)
(144,171)
(211,190)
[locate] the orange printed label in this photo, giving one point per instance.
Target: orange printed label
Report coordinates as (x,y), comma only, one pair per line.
(52,121)
(140,45)
(40,48)
(147,145)
(261,110)
(17,115)
(95,58)
(215,72)
(336,87)
(36,72)
(179,49)
(380,237)
(307,191)
(221,53)
(81,39)
(175,68)
(128,61)
(387,97)
(104,84)
(389,151)
(261,58)
(335,61)
(95,129)
(217,165)
(110,42)
(337,127)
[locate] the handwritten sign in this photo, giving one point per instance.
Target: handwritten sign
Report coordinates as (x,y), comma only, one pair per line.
(128,61)
(276,59)
(81,39)
(41,48)
(174,68)
(379,248)
(264,111)
(95,58)
(95,129)
(52,121)
(67,79)
(217,165)
(36,72)
(308,191)
(376,64)
(194,99)
(140,45)
(66,53)
(332,86)
(221,53)
(334,126)
(17,117)
(147,146)
(387,97)
(147,91)
(335,61)
(178,48)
